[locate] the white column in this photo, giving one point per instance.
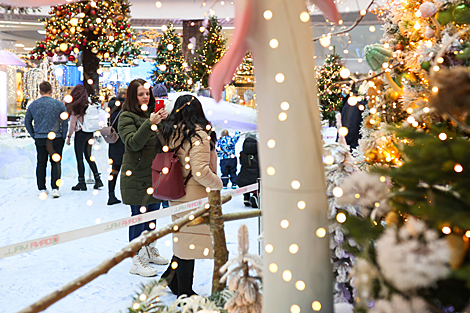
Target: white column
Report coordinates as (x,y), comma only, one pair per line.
(294,198)
(3,99)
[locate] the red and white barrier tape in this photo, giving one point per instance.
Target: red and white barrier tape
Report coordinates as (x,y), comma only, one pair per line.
(30,245)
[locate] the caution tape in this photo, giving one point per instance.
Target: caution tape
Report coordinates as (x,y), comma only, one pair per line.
(31,245)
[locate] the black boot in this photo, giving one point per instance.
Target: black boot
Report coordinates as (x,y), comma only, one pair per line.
(112,199)
(98,182)
(184,275)
(81,185)
(170,276)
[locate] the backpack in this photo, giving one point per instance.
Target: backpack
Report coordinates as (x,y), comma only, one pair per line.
(109,134)
(91,119)
(167,176)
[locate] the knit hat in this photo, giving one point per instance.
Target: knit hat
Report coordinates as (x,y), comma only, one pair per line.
(251,135)
(159,90)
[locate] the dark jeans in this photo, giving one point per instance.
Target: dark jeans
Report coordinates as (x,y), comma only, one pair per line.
(83,148)
(135,231)
(228,167)
(46,148)
(114,173)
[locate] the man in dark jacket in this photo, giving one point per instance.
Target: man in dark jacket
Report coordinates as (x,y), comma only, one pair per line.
(49,131)
(249,172)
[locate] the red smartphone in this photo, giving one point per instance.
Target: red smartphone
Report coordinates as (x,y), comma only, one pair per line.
(159,104)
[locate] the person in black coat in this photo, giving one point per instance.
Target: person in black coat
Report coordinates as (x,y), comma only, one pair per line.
(116,150)
(249,172)
(351,118)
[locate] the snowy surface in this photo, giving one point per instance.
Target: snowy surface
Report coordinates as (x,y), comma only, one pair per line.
(25,278)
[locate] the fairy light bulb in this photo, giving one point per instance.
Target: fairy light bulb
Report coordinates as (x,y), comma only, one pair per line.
(329,159)
(284,224)
(325,41)
(458,168)
(271,171)
(341,217)
(343,131)
(344,73)
(316,306)
(285,106)
(417,26)
(287,275)
(372,29)
(164,28)
(282,116)
(300,285)
(51,135)
(301,205)
(295,184)
(273,267)
(273,43)
(293,248)
(269,248)
(158,4)
(271,143)
(268,15)
(337,192)
(304,17)
(442,136)
(294,308)
(446,230)
(279,77)
(321,232)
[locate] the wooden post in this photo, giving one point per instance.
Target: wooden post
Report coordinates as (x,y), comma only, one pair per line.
(218,235)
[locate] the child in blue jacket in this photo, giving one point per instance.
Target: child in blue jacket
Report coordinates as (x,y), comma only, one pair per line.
(228,159)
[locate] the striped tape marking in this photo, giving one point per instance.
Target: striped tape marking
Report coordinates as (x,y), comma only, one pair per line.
(35,244)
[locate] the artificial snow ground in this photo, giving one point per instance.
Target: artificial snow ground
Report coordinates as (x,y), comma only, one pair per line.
(25,278)
(28,277)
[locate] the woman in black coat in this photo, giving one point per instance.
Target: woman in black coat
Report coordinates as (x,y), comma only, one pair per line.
(249,172)
(116,150)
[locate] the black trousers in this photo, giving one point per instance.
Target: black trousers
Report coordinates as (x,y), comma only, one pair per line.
(82,147)
(180,280)
(45,149)
(114,173)
(228,167)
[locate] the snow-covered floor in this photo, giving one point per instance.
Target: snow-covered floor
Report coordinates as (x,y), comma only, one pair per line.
(28,277)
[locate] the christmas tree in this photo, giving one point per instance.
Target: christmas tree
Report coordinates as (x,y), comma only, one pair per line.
(213,49)
(100,31)
(170,65)
(246,68)
(414,230)
(329,89)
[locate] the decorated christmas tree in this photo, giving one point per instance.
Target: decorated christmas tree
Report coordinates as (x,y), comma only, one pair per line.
(329,89)
(213,49)
(170,66)
(98,31)
(246,68)
(413,229)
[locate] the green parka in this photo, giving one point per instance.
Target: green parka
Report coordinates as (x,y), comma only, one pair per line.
(136,172)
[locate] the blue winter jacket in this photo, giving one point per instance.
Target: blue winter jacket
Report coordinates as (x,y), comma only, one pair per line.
(226,146)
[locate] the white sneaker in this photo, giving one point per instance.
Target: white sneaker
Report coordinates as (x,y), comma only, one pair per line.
(154,255)
(55,193)
(140,264)
(42,194)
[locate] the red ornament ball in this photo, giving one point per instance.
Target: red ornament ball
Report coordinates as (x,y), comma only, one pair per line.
(93,12)
(32,57)
(71,58)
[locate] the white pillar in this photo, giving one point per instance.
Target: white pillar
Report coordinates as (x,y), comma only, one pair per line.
(3,99)
(296,157)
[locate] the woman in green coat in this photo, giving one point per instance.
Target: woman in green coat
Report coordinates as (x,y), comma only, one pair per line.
(137,126)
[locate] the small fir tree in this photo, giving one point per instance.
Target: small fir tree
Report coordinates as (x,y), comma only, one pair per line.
(213,49)
(170,65)
(329,89)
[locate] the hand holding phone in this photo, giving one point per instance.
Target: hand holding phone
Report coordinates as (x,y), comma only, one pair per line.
(159,104)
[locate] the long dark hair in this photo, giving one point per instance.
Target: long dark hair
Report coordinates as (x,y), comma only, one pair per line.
(80,100)
(186,116)
(132,103)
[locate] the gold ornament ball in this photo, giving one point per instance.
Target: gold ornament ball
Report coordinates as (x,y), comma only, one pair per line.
(370,155)
(392,218)
(458,246)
